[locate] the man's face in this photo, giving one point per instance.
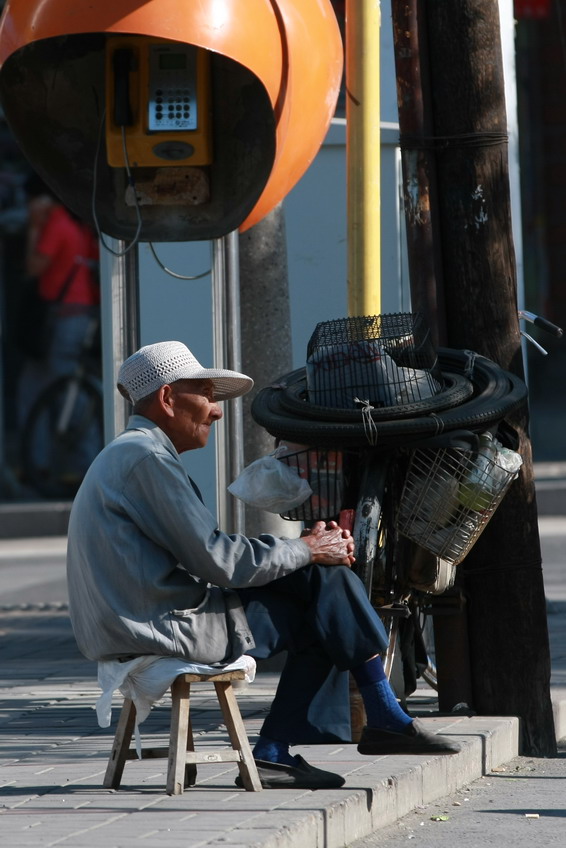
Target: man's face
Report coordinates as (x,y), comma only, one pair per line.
(195,411)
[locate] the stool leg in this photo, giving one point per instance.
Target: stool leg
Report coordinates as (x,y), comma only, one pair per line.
(238,735)
(180,695)
(121,746)
(190,768)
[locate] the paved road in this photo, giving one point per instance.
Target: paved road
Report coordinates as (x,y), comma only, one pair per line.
(32,571)
(520,804)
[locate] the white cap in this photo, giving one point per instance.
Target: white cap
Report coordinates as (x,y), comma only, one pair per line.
(159,364)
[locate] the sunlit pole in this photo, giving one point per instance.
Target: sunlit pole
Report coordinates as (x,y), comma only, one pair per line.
(363,19)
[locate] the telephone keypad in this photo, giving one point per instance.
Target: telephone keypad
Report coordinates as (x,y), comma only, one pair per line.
(172,95)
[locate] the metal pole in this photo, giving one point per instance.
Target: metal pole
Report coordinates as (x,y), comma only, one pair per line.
(363,18)
(120,327)
(227,354)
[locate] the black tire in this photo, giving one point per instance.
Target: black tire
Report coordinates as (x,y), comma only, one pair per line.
(55,452)
(293,399)
(496,394)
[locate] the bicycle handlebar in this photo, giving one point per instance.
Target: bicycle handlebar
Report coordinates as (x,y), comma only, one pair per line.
(543,323)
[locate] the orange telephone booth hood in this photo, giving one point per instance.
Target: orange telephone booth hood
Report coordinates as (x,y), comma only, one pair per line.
(275,72)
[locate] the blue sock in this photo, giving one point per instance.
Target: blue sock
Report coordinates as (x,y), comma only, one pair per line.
(382,708)
(273,751)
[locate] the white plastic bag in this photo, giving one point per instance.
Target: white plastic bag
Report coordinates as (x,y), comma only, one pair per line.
(271,485)
(493,469)
(338,374)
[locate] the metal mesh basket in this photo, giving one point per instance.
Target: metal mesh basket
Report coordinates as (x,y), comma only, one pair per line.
(448,498)
(386,360)
(324,470)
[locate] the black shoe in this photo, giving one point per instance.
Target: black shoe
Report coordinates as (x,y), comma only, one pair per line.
(300,776)
(415,740)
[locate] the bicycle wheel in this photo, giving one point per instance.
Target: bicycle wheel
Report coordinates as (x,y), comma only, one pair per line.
(385,564)
(62,435)
(368,519)
(373,535)
(424,631)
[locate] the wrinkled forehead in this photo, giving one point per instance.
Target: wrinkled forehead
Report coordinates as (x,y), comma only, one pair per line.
(195,387)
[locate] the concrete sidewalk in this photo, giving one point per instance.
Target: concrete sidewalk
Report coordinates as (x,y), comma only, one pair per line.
(53,754)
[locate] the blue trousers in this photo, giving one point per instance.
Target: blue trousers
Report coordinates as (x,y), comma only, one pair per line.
(322,617)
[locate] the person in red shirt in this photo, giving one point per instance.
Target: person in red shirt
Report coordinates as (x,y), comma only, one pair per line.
(60,246)
(62,255)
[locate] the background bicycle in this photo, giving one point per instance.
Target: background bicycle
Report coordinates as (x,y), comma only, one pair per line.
(64,429)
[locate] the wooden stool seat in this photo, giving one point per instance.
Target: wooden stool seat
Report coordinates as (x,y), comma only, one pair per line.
(183,759)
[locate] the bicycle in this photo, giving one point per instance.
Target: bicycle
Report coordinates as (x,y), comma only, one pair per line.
(362,459)
(64,429)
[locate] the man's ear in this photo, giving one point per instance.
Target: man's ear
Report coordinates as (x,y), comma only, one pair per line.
(166,399)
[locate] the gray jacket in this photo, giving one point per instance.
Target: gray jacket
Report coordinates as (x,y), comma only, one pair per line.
(148,570)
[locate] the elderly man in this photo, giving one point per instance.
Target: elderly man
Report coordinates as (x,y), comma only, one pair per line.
(150,573)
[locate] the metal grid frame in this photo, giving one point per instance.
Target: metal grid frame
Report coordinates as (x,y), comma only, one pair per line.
(448,499)
(384,360)
(324,470)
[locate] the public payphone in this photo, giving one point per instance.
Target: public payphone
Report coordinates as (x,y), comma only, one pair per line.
(115,103)
(158,103)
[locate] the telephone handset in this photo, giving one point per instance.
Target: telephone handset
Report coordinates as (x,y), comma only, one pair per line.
(122,62)
(158,97)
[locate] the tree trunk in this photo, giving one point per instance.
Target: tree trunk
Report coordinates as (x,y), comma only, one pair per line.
(420,202)
(510,661)
(266,339)
(418,165)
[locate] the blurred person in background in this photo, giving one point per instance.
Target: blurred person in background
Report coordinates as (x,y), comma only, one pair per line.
(63,300)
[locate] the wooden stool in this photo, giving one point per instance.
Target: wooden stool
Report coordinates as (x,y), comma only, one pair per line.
(182,766)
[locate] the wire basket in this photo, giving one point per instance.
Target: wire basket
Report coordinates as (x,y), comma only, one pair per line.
(448,498)
(324,470)
(386,360)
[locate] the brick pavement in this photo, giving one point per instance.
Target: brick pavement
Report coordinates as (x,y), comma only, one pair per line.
(53,757)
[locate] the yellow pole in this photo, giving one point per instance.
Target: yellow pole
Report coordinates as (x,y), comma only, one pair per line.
(363,18)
